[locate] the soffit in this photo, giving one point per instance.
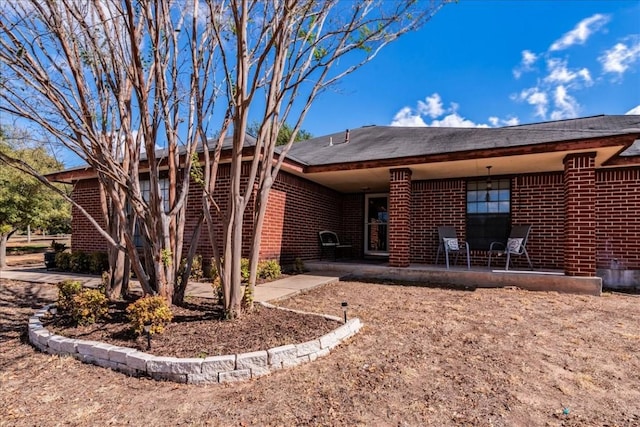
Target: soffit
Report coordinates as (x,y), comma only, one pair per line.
(377,178)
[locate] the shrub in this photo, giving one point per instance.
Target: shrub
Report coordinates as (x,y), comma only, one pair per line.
(63,260)
(98,262)
(89,305)
(244,269)
(196,268)
(298,266)
(79,262)
(269,269)
(150,310)
(66,291)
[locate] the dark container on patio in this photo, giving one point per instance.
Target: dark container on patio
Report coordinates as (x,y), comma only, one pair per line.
(50,260)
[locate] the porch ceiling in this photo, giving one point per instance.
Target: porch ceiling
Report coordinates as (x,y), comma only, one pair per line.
(376,179)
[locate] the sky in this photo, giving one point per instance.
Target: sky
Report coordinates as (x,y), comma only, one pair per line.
(496,63)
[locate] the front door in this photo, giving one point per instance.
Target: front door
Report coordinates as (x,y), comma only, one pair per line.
(376,236)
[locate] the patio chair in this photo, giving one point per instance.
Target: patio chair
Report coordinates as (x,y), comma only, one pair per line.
(449,243)
(329,241)
(516,245)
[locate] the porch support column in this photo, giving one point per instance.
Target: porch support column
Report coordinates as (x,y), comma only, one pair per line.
(580,214)
(399,217)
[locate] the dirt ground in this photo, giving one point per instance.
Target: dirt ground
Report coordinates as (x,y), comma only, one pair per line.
(425,356)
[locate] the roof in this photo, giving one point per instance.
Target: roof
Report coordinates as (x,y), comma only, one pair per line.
(388,142)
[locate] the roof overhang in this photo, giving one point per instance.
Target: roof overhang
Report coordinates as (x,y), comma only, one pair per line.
(539,158)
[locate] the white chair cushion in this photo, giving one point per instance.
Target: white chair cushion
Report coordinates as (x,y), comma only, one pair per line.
(513,245)
(452,243)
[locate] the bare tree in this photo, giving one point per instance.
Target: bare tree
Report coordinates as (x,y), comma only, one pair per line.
(116,82)
(281,55)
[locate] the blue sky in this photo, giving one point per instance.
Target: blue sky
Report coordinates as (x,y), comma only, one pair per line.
(495,63)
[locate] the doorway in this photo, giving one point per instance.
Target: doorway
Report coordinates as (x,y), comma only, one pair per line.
(376,225)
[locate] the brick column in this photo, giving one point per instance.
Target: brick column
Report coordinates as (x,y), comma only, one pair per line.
(580,214)
(399,217)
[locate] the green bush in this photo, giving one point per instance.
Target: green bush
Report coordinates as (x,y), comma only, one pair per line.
(269,270)
(298,266)
(98,262)
(150,310)
(66,291)
(79,262)
(196,268)
(89,306)
(63,260)
(244,269)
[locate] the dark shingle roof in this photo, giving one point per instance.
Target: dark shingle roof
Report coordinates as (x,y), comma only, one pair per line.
(386,142)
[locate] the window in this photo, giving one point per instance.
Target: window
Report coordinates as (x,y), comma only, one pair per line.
(145,191)
(488,212)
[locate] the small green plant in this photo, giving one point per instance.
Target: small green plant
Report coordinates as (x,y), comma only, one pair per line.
(89,306)
(196,268)
(79,262)
(98,262)
(298,266)
(202,355)
(165,256)
(269,270)
(151,310)
(66,291)
(244,269)
(63,260)
(58,247)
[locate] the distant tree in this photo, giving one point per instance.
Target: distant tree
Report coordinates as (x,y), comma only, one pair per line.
(284,135)
(25,201)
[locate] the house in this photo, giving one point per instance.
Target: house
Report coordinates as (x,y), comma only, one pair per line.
(387,189)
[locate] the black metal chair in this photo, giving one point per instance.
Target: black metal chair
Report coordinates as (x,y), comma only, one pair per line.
(329,241)
(449,243)
(516,245)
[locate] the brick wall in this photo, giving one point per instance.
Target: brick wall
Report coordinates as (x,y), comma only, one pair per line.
(618,218)
(400,217)
(84,236)
(580,214)
(435,203)
(297,210)
(539,200)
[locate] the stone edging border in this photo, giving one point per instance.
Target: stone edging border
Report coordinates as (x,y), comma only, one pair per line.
(215,369)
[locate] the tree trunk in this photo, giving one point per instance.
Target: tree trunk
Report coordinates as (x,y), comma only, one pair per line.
(3,249)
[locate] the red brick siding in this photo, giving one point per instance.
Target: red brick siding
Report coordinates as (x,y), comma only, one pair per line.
(221,195)
(84,236)
(580,215)
(618,213)
(539,200)
(297,210)
(353,222)
(400,218)
(435,203)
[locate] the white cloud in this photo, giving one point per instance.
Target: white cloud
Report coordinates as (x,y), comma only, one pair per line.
(633,111)
(581,32)
(620,57)
(454,120)
(528,59)
(510,121)
(536,97)
(406,117)
(559,73)
(566,106)
(433,107)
